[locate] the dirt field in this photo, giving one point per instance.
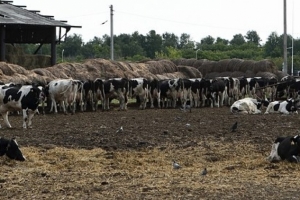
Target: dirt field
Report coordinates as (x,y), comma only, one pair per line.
(82,157)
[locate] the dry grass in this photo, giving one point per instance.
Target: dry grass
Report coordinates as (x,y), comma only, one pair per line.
(236,171)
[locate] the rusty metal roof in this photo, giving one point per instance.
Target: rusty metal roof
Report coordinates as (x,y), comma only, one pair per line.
(17,15)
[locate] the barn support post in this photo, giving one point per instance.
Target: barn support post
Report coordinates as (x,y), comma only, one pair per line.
(2,43)
(53,46)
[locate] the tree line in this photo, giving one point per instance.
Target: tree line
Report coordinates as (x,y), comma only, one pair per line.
(137,47)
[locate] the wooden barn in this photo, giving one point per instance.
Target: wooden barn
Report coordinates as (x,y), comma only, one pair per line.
(19,25)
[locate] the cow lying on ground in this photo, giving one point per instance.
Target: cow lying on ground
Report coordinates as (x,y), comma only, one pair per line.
(285,107)
(286,148)
(248,106)
(10,148)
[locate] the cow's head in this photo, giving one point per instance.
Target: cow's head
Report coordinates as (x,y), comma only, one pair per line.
(11,149)
(296,140)
(292,105)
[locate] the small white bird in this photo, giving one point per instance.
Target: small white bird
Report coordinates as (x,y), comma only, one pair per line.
(176,165)
(204,172)
(120,130)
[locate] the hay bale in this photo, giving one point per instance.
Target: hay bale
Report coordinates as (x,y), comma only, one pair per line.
(266,75)
(190,72)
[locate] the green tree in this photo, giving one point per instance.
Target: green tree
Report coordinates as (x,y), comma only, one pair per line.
(153,44)
(252,37)
(238,39)
(209,40)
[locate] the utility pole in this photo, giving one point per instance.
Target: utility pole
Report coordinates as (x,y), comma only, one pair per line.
(285,68)
(111,33)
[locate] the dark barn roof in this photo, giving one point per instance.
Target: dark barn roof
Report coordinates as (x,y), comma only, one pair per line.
(19,25)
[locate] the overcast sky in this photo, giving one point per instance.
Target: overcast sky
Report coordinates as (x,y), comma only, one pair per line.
(198,18)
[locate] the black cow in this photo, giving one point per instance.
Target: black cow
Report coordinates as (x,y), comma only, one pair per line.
(286,148)
(11,149)
(25,98)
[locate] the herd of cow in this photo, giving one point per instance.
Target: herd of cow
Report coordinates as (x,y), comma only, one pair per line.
(243,95)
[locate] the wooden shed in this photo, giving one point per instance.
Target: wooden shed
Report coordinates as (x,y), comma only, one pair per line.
(19,25)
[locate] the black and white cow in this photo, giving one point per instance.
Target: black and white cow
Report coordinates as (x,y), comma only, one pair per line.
(25,98)
(169,89)
(257,87)
(186,94)
(138,87)
(284,107)
(244,87)
(88,95)
(285,148)
(248,106)
(232,89)
(115,88)
(153,91)
(216,92)
(197,93)
(11,149)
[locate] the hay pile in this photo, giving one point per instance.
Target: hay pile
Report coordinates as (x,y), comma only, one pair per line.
(16,55)
(97,68)
(232,67)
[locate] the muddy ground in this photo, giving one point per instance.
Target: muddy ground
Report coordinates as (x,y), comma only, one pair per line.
(82,157)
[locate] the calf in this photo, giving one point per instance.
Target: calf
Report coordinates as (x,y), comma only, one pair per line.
(11,149)
(25,98)
(285,148)
(285,107)
(248,106)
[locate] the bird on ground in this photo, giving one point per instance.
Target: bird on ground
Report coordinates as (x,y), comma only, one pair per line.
(204,172)
(120,130)
(176,165)
(234,127)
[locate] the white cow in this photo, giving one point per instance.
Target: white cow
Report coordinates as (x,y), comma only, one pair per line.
(246,106)
(63,91)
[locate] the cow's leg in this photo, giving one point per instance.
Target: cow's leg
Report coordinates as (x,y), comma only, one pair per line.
(63,104)
(73,106)
(158,100)
(30,117)
(221,99)
(25,118)
(5,118)
(151,100)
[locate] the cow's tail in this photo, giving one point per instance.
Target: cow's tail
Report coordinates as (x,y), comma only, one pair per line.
(69,86)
